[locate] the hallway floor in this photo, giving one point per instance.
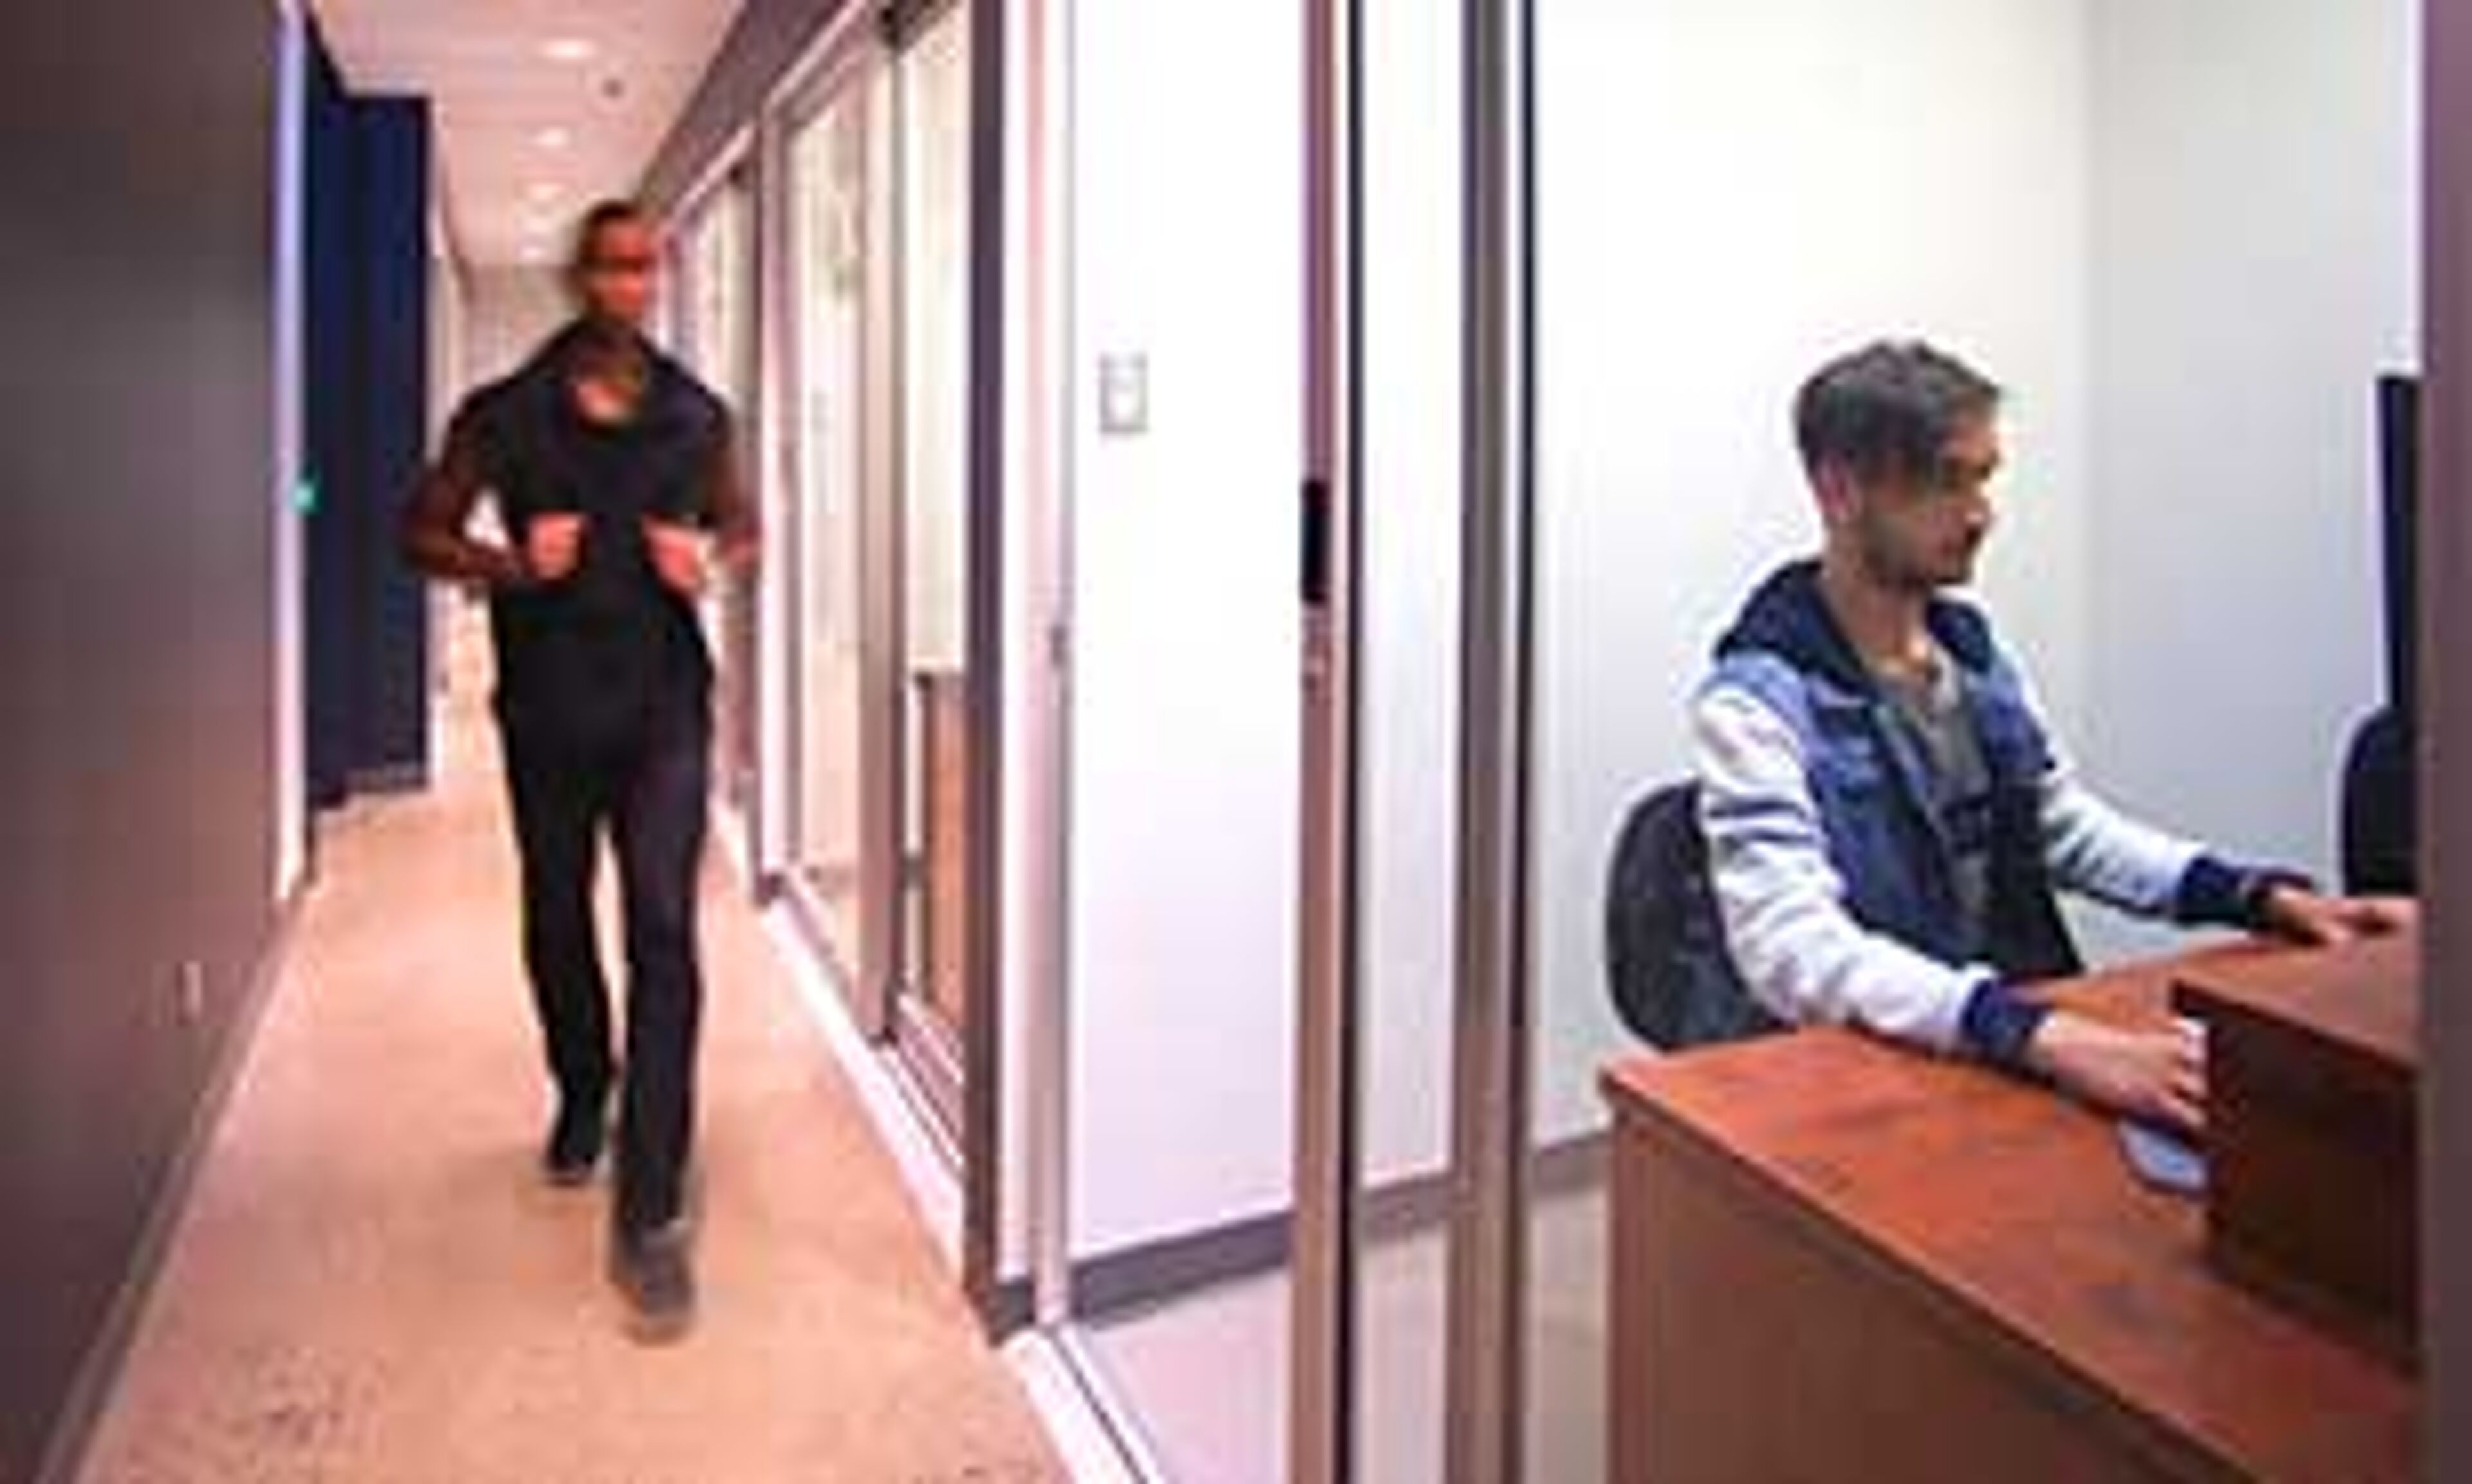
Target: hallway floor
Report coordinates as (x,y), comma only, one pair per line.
(372,1284)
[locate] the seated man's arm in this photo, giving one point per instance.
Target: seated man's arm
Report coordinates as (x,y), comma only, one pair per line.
(1804,957)
(2092,848)
(1798,950)
(737,528)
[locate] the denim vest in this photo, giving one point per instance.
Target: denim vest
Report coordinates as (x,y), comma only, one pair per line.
(1887,843)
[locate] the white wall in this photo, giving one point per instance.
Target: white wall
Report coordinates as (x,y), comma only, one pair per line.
(510,312)
(2254,268)
(1185,681)
(1729,195)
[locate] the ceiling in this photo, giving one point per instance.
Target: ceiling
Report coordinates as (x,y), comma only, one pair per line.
(542,106)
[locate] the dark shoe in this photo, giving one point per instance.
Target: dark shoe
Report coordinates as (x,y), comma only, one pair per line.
(575,1143)
(653,1271)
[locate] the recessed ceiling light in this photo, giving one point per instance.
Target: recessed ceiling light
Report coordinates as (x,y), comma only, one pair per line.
(569,49)
(553,139)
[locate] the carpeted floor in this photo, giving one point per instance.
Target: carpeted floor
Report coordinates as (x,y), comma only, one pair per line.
(373,1287)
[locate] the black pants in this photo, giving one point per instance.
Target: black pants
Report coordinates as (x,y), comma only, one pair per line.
(647,789)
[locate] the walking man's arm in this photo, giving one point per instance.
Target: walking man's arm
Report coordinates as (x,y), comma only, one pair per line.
(679,552)
(434,534)
(737,530)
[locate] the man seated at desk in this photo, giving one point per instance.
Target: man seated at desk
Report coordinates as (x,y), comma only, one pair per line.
(1887,818)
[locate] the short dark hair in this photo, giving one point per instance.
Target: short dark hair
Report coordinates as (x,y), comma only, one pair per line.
(1887,410)
(601,217)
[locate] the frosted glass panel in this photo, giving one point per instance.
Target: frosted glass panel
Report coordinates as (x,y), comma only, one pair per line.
(828,269)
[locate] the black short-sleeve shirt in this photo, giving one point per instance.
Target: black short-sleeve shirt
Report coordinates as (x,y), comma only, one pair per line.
(592,657)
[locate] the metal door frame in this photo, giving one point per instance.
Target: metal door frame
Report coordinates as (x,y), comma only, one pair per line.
(1050,401)
(1322,1424)
(1492,993)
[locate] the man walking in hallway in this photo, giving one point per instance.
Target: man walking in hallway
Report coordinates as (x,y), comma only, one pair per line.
(617,487)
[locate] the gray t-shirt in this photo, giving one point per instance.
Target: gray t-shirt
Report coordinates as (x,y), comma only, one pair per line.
(1932,712)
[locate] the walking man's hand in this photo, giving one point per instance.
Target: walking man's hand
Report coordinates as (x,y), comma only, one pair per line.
(678,553)
(553,547)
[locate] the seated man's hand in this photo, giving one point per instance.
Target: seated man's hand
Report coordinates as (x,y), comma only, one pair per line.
(2157,1075)
(677,555)
(2304,916)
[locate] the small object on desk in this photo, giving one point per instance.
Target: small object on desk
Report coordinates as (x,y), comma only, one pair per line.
(2162,1160)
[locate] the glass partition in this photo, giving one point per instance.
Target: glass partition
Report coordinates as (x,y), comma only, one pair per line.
(717,315)
(829,268)
(932,76)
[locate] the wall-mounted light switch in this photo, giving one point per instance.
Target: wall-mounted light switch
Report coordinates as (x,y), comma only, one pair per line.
(192,992)
(1124,395)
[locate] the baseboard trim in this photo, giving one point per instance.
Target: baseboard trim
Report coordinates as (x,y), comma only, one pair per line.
(1084,1427)
(1135,1450)
(99,1373)
(1147,1274)
(876,1080)
(388,779)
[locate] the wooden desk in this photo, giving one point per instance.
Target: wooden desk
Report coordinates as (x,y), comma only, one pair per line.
(1835,1259)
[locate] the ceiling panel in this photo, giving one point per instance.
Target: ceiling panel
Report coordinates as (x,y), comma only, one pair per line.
(529,138)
